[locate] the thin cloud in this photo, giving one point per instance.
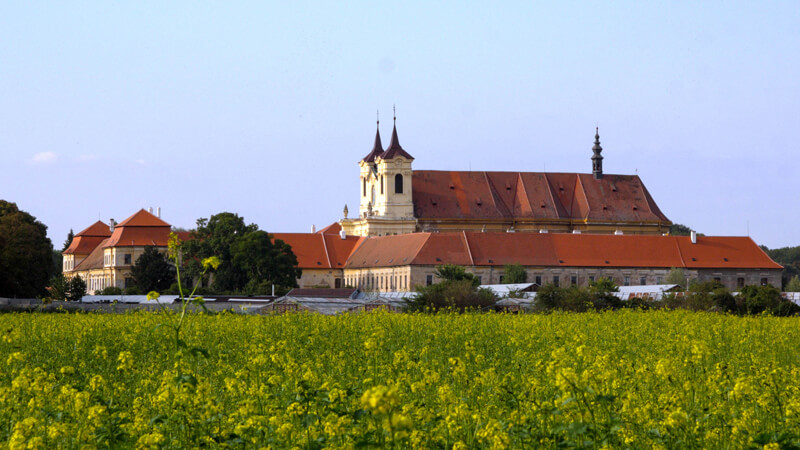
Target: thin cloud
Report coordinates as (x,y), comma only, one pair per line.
(44,158)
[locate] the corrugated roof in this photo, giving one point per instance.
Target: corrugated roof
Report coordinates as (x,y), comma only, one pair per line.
(555,249)
(531,195)
(323,293)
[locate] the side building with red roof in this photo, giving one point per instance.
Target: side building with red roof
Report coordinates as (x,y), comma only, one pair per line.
(399,263)
(103,255)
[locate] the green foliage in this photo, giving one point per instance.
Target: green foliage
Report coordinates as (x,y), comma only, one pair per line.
(758,299)
(70,237)
(458,290)
(153,271)
(111,290)
(26,253)
(677,276)
(599,295)
(68,289)
(265,262)
(677,229)
(514,273)
(789,258)
(452,272)
(249,259)
(793,285)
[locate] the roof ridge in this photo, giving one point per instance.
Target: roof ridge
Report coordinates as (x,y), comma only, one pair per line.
(469,251)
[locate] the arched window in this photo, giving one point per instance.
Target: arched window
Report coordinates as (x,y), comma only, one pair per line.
(398,184)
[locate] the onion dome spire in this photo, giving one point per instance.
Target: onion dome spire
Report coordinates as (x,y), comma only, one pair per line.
(597,160)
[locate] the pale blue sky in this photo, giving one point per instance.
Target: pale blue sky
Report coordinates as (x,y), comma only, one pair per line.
(264,109)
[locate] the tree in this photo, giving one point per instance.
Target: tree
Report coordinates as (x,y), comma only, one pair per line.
(265,262)
(452,272)
(153,271)
(677,229)
(677,276)
(69,289)
(601,293)
(514,273)
(458,290)
(216,237)
(26,253)
(793,285)
(68,242)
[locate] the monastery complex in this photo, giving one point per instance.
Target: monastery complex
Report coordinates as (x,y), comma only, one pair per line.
(564,228)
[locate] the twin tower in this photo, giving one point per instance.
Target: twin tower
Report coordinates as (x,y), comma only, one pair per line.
(386,205)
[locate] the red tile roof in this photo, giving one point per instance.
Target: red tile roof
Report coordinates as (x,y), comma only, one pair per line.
(140,229)
(532,195)
(87,240)
(319,250)
(94,260)
(565,250)
(143,218)
(333,228)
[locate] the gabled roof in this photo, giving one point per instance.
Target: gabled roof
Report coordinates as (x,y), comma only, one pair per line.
(532,195)
(94,260)
(560,250)
(319,250)
(87,240)
(333,228)
(139,230)
(142,218)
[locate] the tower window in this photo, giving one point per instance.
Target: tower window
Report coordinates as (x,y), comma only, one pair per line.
(398,184)
(381,184)
(364,189)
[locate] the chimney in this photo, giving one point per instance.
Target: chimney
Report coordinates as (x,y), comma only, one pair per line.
(111,224)
(618,232)
(693,235)
(158,212)
(576,231)
(342,234)
(543,231)
(313,228)
(150,210)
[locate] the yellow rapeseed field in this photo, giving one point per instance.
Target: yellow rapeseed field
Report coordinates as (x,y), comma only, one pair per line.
(664,379)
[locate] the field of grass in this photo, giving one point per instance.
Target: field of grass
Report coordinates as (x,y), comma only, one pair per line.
(618,379)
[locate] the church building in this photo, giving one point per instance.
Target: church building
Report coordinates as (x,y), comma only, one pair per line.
(396,199)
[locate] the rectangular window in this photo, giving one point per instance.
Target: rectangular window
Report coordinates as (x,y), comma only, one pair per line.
(642,281)
(555,280)
(501,279)
(764,282)
(574,280)
(627,281)
(127,258)
(718,279)
(428,280)
(538,280)
(740,282)
(128,282)
(337,283)
(659,280)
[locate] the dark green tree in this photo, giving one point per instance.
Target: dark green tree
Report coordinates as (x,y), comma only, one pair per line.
(68,242)
(26,253)
(514,273)
(265,262)
(458,290)
(69,289)
(452,272)
(216,236)
(153,271)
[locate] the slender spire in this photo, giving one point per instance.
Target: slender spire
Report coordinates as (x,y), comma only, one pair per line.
(597,159)
(377,148)
(394,148)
